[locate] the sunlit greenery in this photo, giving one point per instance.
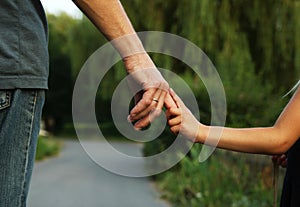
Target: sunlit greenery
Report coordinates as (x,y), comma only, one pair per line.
(47,147)
(255,47)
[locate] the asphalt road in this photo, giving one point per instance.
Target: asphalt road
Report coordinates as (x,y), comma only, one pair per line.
(73,180)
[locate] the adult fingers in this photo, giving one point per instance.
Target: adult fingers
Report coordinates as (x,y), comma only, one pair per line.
(145,117)
(138,97)
(142,104)
(161,100)
(154,113)
(150,103)
(146,120)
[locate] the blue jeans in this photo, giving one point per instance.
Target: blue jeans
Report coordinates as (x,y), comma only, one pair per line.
(20,114)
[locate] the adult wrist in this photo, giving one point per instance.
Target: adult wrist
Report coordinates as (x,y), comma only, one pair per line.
(128,45)
(137,62)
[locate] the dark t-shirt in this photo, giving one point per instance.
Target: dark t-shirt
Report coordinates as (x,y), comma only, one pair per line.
(23,45)
(291,187)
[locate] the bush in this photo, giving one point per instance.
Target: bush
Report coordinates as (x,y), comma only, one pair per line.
(226,179)
(47,147)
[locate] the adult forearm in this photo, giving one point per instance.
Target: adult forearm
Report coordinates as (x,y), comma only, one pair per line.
(108,15)
(111,19)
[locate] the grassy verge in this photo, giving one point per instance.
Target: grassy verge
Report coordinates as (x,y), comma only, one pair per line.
(226,179)
(47,147)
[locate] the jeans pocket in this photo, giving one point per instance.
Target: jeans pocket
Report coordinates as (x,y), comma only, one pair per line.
(5,98)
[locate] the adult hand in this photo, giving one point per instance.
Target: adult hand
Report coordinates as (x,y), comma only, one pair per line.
(111,19)
(151,86)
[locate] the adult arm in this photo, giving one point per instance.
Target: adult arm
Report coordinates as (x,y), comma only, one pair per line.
(111,19)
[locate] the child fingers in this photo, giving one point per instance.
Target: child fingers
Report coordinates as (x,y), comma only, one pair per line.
(174,121)
(175,129)
(170,113)
(176,98)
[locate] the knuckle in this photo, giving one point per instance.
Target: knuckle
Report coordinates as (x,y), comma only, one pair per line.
(157,111)
(147,102)
(165,85)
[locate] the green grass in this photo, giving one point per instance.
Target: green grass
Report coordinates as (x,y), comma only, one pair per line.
(225,179)
(47,147)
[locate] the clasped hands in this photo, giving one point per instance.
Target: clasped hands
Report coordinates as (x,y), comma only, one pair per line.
(154,94)
(180,119)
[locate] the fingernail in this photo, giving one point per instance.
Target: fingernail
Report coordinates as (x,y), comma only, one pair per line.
(171,90)
(132,115)
(137,129)
(128,119)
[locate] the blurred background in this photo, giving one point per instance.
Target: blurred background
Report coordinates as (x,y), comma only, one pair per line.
(255,49)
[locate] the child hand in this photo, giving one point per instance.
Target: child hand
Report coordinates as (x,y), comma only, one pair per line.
(181,120)
(280,160)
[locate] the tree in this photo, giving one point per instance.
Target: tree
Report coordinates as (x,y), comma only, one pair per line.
(57,109)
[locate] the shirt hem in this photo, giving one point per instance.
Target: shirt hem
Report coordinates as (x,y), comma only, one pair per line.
(26,83)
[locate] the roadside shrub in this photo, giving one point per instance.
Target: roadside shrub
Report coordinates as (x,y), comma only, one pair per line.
(47,147)
(225,179)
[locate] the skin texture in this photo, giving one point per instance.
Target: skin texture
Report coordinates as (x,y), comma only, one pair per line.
(111,19)
(274,140)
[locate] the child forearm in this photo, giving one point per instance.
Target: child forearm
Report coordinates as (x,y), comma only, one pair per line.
(251,140)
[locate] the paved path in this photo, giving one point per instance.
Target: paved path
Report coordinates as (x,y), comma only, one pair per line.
(74,180)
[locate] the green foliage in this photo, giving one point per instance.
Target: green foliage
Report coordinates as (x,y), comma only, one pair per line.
(242,39)
(252,44)
(255,47)
(83,40)
(47,147)
(57,107)
(224,180)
